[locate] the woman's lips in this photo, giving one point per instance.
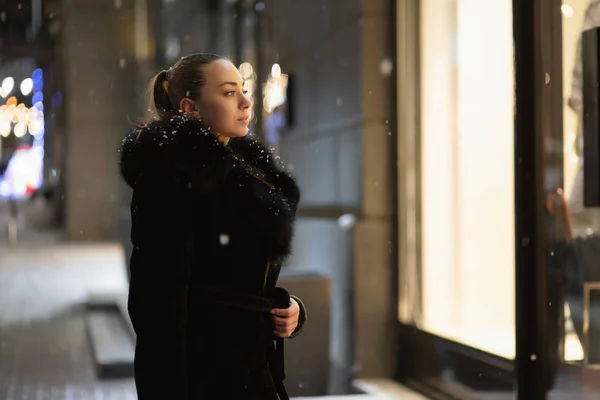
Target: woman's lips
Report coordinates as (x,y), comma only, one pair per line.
(244,120)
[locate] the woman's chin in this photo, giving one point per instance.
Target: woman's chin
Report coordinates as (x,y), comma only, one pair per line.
(241,133)
(237,133)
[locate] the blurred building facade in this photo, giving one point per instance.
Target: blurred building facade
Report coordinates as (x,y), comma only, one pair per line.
(97,57)
(398,119)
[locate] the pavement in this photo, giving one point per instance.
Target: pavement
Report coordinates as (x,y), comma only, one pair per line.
(44,348)
(44,351)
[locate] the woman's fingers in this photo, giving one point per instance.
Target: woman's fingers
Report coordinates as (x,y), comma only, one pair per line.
(283,332)
(285,320)
(282,312)
(284,327)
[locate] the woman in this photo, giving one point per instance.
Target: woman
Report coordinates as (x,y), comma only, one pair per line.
(212,214)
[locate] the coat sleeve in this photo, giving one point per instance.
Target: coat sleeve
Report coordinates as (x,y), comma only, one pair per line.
(160,270)
(301,317)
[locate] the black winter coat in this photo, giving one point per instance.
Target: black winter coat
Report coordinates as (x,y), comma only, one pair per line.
(211,225)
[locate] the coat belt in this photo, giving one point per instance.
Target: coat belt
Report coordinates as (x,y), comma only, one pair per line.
(262,304)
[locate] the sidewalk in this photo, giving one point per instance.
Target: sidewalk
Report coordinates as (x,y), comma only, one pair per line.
(44,349)
(44,352)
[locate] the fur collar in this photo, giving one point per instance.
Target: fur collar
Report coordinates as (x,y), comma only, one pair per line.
(184,149)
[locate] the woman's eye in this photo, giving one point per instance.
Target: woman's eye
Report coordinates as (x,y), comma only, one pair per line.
(245,91)
(230,93)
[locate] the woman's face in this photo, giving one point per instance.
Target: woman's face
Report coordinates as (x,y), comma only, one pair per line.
(223,105)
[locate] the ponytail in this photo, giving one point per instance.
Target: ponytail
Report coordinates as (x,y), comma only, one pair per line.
(160,101)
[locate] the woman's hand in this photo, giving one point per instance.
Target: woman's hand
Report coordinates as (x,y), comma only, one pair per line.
(285,320)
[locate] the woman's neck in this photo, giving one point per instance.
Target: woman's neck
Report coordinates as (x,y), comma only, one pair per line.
(224,140)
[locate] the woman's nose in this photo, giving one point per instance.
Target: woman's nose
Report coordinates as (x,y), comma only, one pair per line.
(246,103)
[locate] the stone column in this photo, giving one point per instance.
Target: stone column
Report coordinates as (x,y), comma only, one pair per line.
(375,267)
(99,96)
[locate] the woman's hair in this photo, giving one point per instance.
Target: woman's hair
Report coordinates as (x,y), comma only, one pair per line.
(184,79)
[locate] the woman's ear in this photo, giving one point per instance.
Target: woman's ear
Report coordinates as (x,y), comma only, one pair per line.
(187,105)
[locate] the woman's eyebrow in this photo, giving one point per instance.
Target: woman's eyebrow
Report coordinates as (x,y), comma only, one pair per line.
(233,83)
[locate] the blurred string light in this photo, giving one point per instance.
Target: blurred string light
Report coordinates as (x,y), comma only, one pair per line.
(5,128)
(8,84)
(21,120)
(567,10)
(20,129)
(276,71)
(275,89)
(246,70)
(18,118)
(12,101)
(37,77)
(26,86)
